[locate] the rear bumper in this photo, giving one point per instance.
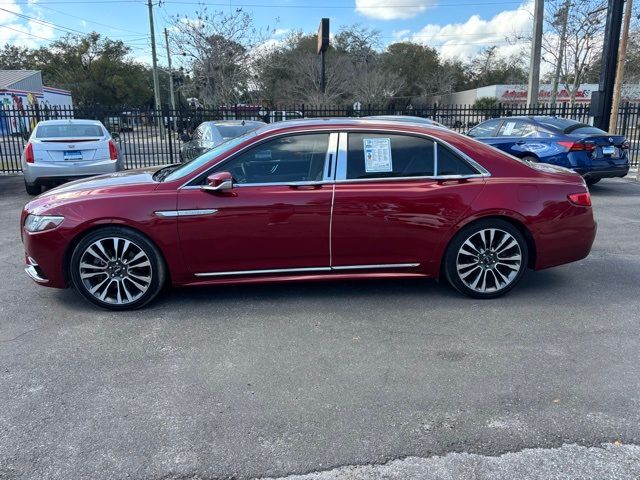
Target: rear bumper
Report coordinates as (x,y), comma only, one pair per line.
(604,172)
(40,173)
(567,238)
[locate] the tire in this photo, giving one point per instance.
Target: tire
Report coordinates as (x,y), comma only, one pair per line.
(592,181)
(475,270)
(32,188)
(530,159)
(131,266)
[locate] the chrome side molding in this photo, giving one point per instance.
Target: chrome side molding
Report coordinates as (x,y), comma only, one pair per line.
(309,269)
(184,213)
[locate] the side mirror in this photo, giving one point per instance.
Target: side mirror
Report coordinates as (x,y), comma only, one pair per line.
(185,137)
(218,182)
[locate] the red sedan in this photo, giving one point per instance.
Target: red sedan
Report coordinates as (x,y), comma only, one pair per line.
(311,200)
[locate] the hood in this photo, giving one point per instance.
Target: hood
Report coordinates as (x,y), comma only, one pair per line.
(120,183)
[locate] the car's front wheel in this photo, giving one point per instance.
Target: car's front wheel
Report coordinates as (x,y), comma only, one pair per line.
(32,188)
(117,268)
(486,259)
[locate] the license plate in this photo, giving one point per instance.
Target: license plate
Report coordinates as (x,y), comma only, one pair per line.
(608,150)
(72,155)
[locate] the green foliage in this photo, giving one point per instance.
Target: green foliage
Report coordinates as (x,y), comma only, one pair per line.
(97,70)
(413,63)
(485,103)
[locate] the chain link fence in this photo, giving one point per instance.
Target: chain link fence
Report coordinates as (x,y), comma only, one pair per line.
(147,137)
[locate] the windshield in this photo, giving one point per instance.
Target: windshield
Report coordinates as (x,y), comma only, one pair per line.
(69,130)
(188,168)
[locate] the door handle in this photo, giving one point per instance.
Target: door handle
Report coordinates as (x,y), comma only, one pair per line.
(520,142)
(306,186)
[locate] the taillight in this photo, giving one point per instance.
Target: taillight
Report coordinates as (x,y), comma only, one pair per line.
(28,153)
(113,151)
(577,146)
(582,199)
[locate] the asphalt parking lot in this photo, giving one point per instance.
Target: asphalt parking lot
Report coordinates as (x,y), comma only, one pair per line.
(276,380)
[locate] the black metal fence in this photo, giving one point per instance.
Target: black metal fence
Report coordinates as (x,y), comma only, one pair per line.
(148,137)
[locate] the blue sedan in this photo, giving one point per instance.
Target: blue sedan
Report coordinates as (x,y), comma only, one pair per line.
(592,152)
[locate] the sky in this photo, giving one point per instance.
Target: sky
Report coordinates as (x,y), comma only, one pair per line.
(456,28)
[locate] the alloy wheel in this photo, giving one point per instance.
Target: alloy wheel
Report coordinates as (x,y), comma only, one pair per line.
(115,270)
(489,260)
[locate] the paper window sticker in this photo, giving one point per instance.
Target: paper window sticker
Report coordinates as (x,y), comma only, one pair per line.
(377,155)
(508,128)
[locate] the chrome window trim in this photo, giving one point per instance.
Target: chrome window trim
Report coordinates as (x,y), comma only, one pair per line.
(331,157)
(309,269)
(340,170)
(211,169)
(185,213)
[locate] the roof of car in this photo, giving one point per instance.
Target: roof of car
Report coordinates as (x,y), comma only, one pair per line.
(235,122)
(67,121)
(340,122)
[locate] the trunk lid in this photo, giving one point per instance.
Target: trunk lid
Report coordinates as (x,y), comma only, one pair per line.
(70,150)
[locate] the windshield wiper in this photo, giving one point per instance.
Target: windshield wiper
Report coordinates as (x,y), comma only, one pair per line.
(163,173)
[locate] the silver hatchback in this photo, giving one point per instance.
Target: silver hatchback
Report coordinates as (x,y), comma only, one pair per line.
(61,150)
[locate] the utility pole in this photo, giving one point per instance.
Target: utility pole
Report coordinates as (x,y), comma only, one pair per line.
(622,52)
(536,50)
(602,99)
(564,19)
(171,93)
(156,84)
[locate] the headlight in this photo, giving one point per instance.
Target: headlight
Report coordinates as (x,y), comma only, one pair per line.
(38,223)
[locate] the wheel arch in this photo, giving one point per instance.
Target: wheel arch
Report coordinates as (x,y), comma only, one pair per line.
(509,218)
(104,225)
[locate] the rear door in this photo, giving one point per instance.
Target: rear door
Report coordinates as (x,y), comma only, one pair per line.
(391,210)
(514,136)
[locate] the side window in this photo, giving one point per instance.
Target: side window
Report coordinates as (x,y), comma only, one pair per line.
(450,164)
(516,128)
(380,155)
(298,158)
(485,129)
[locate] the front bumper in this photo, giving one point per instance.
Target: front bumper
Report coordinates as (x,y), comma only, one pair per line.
(59,171)
(44,257)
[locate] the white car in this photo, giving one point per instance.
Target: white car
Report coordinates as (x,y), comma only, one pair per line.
(61,150)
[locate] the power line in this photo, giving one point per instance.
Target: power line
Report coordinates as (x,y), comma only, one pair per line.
(43,22)
(25,33)
(262,5)
(40,5)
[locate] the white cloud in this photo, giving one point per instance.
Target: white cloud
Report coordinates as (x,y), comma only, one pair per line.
(463,40)
(392,9)
(15,30)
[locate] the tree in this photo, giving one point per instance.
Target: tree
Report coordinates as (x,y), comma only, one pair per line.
(488,68)
(573,40)
(14,57)
(413,63)
(218,50)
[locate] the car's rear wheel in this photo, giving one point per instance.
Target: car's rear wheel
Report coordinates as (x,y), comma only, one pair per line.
(32,188)
(530,159)
(592,181)
(117,268)
(486,259)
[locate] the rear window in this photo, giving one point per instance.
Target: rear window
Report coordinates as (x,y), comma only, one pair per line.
(75,130)
(565,125)
(233,131)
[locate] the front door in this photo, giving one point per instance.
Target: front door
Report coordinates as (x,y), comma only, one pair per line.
(276,219)
(394,201)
